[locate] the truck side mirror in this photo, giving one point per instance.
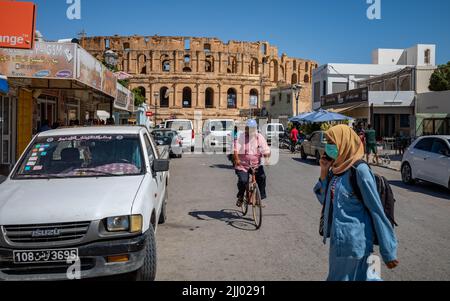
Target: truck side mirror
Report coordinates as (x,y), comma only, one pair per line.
(161,165)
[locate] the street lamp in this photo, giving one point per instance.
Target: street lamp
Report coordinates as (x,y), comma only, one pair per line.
(156,95)
(297,88)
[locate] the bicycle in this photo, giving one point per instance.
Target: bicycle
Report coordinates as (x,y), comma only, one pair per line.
(252,197)
(384,157)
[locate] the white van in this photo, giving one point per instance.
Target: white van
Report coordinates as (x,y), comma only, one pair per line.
(273,130)
(218,134)
(185,128)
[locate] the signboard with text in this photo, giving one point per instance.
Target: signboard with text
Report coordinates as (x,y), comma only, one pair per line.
(347,97)
(46,60)
(17,24)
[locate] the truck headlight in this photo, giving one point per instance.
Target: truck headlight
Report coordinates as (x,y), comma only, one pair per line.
(129,223)
(118,223)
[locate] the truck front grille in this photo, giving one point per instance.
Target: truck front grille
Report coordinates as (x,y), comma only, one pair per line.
(50,233)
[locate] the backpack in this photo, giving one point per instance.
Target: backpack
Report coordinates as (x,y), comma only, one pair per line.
(384,191)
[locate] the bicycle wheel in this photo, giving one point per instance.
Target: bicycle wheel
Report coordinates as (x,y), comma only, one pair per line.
(257,208)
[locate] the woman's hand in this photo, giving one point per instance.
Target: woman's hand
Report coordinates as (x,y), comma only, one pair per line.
(392,264)
(325,166)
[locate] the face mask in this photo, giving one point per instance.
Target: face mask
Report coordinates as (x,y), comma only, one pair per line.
(332,151)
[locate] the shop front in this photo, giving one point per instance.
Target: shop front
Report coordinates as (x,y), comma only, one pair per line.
(51,85)
(433,113)
(7,131)
(391,113)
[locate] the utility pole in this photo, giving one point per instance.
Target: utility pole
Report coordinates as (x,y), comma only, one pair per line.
(156,95)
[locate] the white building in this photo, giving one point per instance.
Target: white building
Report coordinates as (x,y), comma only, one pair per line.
(336,78)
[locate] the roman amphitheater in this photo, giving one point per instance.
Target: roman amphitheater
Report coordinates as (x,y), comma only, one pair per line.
(181,75)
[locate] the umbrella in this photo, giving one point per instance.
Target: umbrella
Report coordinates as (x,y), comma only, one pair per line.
(325,116)
(300,117)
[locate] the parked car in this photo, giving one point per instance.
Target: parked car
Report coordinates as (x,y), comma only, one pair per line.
(427,159)
(185,128)
(273,130)
(171,139)
(313,146)
(90,195)
(218,134)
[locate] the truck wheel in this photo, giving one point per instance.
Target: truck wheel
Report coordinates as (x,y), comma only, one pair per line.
(303,154)
(317,158)
(163,214)
(148,270)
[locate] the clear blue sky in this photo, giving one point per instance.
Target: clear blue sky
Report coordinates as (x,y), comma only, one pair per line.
(329,31)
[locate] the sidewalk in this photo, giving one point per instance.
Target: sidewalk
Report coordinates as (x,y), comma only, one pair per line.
(396,161)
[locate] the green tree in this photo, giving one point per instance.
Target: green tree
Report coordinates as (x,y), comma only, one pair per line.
(440,79)
(138,97)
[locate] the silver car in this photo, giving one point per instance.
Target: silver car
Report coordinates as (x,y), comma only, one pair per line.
(314,146)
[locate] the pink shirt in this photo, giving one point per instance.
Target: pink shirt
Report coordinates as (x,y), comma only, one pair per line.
(250,152)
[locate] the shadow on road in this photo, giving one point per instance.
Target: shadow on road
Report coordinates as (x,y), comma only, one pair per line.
(223,166)
(307,161)
(231,217)
(424,188)
(2,179)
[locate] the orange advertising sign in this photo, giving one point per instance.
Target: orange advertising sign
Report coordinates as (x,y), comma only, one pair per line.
(17,24)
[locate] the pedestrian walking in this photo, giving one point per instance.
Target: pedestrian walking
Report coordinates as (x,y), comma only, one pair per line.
(371,143)
(351,224)
(294,138)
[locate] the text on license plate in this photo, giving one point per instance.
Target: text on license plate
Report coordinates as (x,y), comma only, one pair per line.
(51,255)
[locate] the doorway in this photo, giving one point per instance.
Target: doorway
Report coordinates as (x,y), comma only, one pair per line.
(7,132)
(46,110)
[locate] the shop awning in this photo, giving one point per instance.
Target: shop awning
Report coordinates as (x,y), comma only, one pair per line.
(4,87)
(346,108)
(51,65)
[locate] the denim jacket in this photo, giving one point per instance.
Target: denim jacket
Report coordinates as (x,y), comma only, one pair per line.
(353,223)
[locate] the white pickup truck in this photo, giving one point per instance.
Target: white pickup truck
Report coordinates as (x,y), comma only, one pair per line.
(83,203)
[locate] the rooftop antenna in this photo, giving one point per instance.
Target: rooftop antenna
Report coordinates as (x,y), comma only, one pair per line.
(81,37)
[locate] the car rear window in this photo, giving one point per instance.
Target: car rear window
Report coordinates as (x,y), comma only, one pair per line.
(272,128)
(217,126)
(179,125)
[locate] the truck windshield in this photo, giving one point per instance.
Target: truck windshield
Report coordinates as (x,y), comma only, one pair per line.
(82,156)
(179,125)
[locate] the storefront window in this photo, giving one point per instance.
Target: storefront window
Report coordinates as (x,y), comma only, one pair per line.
(404,121)
(440,127)
(436,126)
(428,127)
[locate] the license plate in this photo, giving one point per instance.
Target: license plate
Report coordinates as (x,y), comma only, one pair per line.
(39,256)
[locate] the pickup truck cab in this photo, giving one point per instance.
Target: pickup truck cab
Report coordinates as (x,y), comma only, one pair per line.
(83,200)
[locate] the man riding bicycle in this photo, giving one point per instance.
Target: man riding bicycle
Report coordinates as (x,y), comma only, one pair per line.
(249,148)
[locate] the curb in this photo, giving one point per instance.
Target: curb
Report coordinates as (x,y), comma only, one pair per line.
(388,167)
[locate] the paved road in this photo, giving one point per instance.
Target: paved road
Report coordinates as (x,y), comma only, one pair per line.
(206,238)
